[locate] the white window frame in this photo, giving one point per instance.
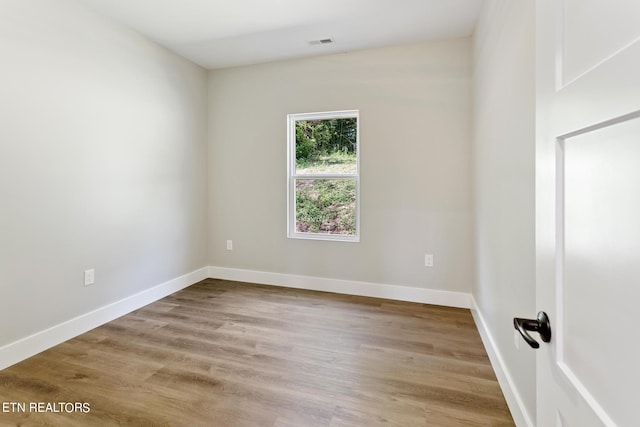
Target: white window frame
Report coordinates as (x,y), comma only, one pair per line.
(292,175)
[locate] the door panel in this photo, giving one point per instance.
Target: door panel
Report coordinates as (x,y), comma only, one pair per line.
(588,211)
(593,31)
(601,266)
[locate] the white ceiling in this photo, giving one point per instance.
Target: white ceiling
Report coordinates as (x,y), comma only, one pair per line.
(226,33)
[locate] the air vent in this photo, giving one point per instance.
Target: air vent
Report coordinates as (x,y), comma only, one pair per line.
(321,41)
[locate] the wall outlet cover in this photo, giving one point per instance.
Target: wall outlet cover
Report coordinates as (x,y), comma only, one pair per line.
(89,277)
(428,260)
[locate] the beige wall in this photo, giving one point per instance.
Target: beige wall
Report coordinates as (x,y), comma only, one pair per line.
(102,164)
(504,156)
(415,115)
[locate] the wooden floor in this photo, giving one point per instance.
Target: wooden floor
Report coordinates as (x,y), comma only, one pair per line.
(223,353)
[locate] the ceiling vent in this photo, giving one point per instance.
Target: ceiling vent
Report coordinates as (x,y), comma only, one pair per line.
(321,41)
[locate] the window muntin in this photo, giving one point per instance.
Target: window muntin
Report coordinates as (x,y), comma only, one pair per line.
(323,175)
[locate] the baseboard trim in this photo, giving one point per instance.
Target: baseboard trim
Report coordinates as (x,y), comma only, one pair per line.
(520,415)
(350,287)
(24,348)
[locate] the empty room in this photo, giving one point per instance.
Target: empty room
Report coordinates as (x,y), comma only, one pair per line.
(293,213)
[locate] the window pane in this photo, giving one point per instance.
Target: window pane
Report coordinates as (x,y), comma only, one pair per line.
(326,206)
(326,146)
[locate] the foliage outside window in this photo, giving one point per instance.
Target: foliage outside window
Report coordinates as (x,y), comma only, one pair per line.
(324,175)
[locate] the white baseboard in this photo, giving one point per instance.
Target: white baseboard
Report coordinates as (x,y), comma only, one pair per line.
(376,290)
(520,415)
(26,347)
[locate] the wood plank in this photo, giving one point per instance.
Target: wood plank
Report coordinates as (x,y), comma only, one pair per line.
(223,353)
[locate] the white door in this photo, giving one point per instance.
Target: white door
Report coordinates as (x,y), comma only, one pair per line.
(588,211)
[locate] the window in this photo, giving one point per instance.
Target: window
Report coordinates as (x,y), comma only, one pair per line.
(324,176)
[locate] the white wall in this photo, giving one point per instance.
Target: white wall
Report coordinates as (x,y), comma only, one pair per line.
(102,164)
(504,151)
(415,118)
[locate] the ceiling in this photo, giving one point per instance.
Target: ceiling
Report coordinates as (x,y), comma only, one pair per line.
(227,33)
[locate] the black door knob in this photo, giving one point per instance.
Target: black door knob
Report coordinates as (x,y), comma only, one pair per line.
(540,325)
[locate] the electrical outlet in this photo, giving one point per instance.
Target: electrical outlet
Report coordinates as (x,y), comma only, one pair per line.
(428,260)
(89,277)
(229,245)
